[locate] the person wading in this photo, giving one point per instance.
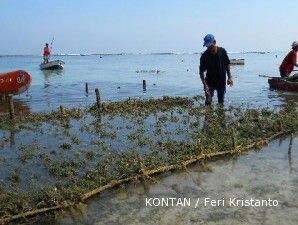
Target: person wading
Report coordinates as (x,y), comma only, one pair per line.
(46,53)
(216,63)
(287,66)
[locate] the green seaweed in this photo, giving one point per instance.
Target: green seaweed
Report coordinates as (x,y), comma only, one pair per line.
(125,139)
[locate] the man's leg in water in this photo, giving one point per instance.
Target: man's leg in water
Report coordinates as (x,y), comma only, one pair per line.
(221,95)
(209,95)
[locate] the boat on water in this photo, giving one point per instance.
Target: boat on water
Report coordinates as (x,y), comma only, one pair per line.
(15,82)
(282,84)
(237,61)
(52,65)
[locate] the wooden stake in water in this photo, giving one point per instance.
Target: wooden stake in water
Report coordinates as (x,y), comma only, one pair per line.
(290,144)
(12,138)
(11,107)
(144,85)
(62,110)
(97,98)
(87,88)
(234,139)
(290,153)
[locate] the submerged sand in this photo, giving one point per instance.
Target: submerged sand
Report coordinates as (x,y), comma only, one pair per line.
(267,173)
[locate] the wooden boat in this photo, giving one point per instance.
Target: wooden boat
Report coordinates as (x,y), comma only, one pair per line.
(281,84)
(15,82)
(52,65)
(237,61)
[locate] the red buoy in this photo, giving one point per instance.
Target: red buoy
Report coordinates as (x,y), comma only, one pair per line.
(15,82)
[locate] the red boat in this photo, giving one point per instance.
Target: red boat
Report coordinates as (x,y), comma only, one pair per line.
(15,82)
(281,84)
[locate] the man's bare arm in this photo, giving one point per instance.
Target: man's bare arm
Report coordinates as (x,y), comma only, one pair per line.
(230,79)
(229,71)
(202,76)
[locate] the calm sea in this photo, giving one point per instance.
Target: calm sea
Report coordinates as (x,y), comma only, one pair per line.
(121,76)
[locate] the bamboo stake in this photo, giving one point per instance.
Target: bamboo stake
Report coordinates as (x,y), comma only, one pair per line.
(87,88)
(11,107)
(290,144)
(62,110)
(144,85)
(98,103)
(35,212)
(234,139)
(290,153)
(12,138)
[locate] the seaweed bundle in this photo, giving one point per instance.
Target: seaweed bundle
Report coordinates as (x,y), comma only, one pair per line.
(293,78)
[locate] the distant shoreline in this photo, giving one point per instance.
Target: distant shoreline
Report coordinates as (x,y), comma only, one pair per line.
(123,54)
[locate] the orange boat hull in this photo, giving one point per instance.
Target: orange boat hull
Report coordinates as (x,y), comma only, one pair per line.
(15,82)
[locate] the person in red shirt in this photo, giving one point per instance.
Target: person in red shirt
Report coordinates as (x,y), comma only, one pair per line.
(46,53)
(289,61)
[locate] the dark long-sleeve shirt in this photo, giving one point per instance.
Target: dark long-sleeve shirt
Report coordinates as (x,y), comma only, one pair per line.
(216,66)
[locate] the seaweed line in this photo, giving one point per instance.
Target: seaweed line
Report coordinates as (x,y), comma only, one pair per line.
(143,174)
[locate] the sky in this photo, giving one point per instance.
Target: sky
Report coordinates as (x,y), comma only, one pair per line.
(145,26)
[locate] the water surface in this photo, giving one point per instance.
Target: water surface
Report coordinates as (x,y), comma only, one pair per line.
(260,174)
(117,78)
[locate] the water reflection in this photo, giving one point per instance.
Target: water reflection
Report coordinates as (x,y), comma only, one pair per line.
(21,107)
(51,75)
(284,97)
(290,154)
(53,88)
(12,138)
(7,136)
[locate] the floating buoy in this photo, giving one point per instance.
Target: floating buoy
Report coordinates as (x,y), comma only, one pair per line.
(15,82)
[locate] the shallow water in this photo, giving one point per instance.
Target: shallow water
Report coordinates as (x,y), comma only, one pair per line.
(258,174)
(117,78)
(261,174)
(21,150)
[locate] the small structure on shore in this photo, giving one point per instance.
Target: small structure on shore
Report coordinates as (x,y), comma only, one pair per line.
(237,61)
(149,71)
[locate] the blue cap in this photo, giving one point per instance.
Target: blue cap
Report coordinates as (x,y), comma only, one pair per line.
(208,40)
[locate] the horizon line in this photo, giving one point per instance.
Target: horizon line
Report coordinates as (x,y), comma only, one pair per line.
(142,53)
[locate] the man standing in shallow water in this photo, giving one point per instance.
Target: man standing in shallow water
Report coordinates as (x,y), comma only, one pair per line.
(216,63)
(287,66)
(46,53)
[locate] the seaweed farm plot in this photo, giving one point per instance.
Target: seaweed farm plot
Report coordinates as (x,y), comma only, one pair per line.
(50,161)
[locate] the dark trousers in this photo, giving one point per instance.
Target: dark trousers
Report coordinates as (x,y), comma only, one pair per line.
(220,95)
(46,58)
